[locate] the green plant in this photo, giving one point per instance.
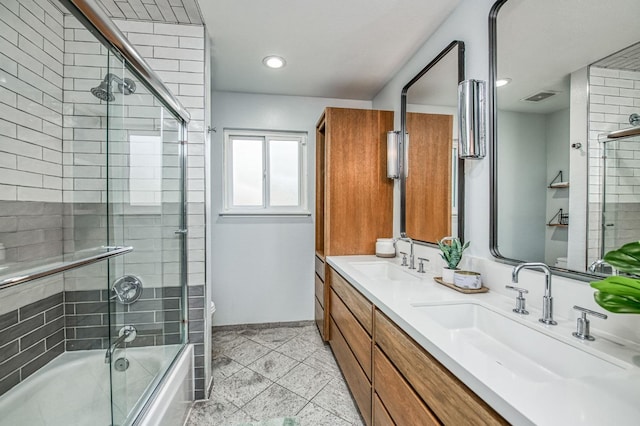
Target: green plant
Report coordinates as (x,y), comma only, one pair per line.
(617,293)
(452,249)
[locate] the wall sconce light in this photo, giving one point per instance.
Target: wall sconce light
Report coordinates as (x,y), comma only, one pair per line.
(397,155)
(393,157)
(471,110)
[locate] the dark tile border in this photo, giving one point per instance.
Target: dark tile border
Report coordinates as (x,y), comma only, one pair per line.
(32,335)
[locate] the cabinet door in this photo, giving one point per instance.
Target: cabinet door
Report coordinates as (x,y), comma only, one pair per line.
(319,316)
(449,399)
(357,381)
(381,416)
(358,196)
(403,405)
(361,308)
(356,337)
(428,213)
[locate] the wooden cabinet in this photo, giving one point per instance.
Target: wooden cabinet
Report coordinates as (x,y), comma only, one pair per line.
(351,341)
(432,385)
(393,380)
(402,405)
(354,197)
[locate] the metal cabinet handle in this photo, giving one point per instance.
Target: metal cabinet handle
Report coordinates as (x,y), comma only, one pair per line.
(181,231)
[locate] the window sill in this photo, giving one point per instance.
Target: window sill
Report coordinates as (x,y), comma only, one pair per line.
(253,213)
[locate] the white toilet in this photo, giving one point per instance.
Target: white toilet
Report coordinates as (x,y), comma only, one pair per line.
(561,262)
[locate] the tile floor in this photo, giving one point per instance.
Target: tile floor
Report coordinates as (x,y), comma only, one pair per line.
(265,373)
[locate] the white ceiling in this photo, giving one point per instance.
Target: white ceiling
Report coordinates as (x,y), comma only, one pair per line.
(541,42)
(334,48)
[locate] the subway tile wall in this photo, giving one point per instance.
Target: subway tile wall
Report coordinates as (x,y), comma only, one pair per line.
(31,95)
(46,59)
(614,95)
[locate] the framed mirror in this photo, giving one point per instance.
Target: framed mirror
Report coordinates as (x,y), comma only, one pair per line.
(432,190)
(564,76)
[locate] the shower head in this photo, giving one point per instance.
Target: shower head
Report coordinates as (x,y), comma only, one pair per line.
(104,90)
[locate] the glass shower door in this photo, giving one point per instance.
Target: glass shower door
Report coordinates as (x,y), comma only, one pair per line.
(621,199)
(145,198)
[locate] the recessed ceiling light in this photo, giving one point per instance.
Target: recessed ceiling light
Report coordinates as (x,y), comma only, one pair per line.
(502,82)
(274,62)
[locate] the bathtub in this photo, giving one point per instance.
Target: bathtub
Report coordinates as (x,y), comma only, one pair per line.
(75,388)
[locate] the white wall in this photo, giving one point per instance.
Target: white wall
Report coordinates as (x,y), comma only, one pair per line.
(578,170)
(521,153)
(467,23)
(262,268)
(557,151)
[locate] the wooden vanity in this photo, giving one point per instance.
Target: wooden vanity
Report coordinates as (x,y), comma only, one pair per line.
(393,380)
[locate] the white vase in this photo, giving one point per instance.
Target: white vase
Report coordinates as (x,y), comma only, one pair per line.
(447,275)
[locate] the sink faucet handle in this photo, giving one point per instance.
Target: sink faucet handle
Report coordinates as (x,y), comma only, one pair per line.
(520,300)
(582,332)
(421,264)
(404,259)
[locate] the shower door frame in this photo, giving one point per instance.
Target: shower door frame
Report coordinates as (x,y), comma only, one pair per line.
(107,33)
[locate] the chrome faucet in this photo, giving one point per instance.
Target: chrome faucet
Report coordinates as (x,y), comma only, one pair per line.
(598,266)
(403,237)
(547,300)
(125,332)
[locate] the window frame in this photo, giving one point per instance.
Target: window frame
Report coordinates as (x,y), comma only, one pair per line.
(229,209)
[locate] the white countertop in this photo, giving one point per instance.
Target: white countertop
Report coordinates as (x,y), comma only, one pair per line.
(595,398)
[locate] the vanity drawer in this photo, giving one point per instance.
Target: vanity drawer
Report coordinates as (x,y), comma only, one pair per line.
(355,336)
(381,416)
(319,290)
(450,400)
(319,316)
(401,402)
(320,268)
(357,381)
(357,303)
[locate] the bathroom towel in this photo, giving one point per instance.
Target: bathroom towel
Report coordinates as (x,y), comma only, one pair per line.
(280,421)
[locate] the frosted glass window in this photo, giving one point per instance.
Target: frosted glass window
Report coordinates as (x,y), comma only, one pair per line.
(284,173)
(265,173)
(247,172)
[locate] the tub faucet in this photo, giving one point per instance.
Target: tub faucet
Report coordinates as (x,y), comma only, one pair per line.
(125,332)
(403,237)
(547,300)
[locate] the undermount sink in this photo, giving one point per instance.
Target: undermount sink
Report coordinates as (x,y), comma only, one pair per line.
(383,270)
(496,342)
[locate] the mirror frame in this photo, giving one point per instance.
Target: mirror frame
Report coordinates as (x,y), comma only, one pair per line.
(493,155)
(403,129)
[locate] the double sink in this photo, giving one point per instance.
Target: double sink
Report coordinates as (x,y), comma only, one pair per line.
(501,342)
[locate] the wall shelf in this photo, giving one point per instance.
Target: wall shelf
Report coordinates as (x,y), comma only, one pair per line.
(19,273)
(558,182)
(559,185)
(560,219)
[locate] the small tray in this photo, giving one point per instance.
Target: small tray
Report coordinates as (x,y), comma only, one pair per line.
(460,289)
